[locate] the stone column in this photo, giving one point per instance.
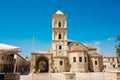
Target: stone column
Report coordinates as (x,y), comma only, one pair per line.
(33,62)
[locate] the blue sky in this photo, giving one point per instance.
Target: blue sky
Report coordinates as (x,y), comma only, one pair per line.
(94,22)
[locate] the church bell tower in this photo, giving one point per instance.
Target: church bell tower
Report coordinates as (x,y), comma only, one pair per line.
(59,34)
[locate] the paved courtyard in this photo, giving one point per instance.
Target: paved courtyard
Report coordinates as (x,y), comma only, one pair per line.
(58,76)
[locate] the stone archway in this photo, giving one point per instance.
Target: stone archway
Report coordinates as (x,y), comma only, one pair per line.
(42,65)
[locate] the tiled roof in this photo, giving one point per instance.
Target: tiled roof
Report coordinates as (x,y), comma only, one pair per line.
(110,57)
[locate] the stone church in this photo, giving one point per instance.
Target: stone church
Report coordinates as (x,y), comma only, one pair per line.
(65,56)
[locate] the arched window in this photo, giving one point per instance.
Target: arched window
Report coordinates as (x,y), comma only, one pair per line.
(95,62)
(74,59)
(59,36)
(61,62)
(59,24)
(80,59)
(60,47)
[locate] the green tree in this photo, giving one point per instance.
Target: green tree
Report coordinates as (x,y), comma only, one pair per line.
(118,46)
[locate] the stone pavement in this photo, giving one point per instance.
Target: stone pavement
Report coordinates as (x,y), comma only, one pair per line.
(58,76)
(42,76)
(90,76)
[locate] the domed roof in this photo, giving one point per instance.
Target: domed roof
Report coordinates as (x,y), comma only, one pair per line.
(91,47)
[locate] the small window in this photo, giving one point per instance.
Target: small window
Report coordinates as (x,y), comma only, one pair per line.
(74,59)
(95,62)
(85,59)
(61,62)
(59,24)
(2,57)
(80,59)
(59,37)
(60,47)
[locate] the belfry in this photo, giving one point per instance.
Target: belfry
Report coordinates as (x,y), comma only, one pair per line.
(65,56)
(59,34)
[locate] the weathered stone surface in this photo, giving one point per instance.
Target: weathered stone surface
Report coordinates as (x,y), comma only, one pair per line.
(65,56)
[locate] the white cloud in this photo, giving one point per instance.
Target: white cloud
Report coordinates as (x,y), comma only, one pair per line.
(98,49)
(97,43)
(86,44)
(110,39)
(72,40)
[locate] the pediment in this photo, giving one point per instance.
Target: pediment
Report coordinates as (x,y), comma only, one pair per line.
(77,46)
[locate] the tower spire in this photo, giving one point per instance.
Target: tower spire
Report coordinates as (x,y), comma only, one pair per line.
(59,12)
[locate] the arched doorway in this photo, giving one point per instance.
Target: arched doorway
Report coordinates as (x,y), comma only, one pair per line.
(42,65)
